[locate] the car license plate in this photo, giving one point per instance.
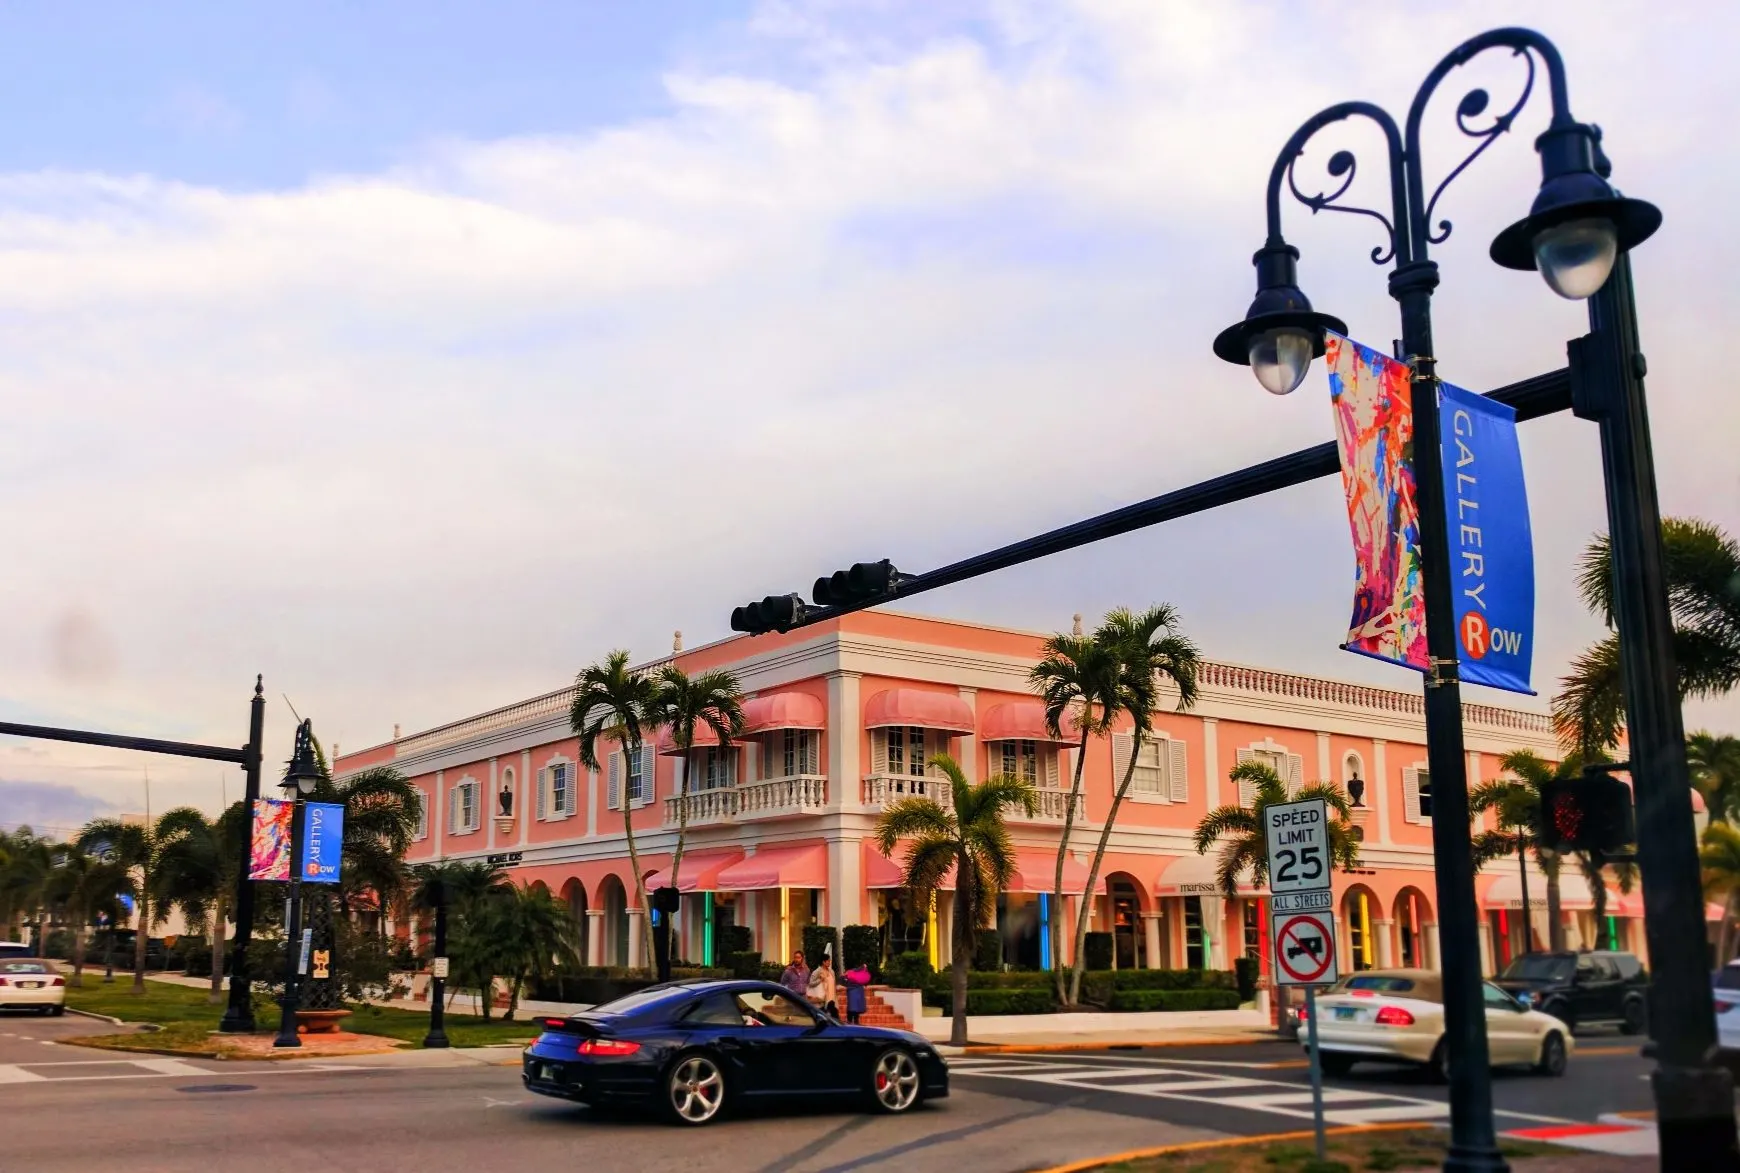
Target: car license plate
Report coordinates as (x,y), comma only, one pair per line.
(30,985)
(1345,1013)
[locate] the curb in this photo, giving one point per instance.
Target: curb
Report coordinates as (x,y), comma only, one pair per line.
(1234,1142)
(110,1019)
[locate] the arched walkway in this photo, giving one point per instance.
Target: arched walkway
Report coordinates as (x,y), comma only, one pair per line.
(1412,913)
(612,897)
(1361,944)
(574,896)
(1126,902)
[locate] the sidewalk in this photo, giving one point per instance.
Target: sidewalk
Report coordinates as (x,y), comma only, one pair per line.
(1088,1031)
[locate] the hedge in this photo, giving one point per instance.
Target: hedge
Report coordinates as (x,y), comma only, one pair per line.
(1004,1002)
(817,942)
(1246,970)
(735,939)
(908,971)
(1014,979)
(1099,988)
(745,963)
(988,951)
(860,945)
(593,985)
(1097,951)
(1136,1000)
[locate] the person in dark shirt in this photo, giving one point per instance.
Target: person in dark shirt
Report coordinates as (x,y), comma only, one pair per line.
(796,977)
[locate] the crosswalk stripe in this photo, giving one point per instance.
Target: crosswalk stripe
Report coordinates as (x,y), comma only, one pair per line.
(1418,1110)
(12,1073)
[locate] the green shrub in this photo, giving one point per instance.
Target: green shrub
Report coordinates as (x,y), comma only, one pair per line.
(1002,1002)
(1136,1000)
(1029,979)
(988,951)
(745,963)
(819,940)
(860,945)
(1097,949)
(908,971)
(771,971)
(1246,971)
(1098,989)
(735,939)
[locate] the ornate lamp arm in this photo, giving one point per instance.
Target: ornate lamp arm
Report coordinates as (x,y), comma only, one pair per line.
(1343,166)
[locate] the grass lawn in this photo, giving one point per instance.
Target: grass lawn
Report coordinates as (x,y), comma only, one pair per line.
(186,1008)
(1349,1152)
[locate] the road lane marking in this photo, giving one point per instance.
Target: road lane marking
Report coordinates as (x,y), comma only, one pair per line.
(12,1073)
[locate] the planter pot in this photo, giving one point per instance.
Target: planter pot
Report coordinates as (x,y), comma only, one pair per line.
(319,1022)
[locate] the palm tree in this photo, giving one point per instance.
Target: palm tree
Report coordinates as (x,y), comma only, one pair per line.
(82,888)
(467,891)
(1078,679)
(613,700)
(1702,567)
(195,872)
(1714,763)
(973,841)
(1720,859)
(532,933)
(1146,647)
(26,860)
(1516,806)
(685,704)
(381,809)
(1244,847)
(135,847)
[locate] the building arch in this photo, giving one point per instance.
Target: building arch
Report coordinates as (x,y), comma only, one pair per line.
(612,898)
(574,896)
(1411,914)
(1126,900)
(1362,947)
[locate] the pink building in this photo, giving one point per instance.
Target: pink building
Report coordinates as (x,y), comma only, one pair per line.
(841,719)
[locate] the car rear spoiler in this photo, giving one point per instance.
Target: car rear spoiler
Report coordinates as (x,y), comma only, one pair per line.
(572,1026)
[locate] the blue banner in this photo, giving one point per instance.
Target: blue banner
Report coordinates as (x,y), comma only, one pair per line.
(322,842)
(1492,553)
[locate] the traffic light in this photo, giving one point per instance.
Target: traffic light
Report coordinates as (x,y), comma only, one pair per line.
(775,613)
(865,582)
(1591,813)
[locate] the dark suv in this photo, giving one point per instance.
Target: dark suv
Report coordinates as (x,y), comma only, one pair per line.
(1581,989)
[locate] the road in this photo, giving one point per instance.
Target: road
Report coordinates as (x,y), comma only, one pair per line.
(66,1106)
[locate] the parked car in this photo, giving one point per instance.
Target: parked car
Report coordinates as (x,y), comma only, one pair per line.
(31,984)
(1397,1016)
(1728,1012)
(12,949)
(692,1049)
(1582,989)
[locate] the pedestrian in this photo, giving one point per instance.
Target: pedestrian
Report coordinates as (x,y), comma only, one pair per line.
(822,990)
(796,977)
(856,980)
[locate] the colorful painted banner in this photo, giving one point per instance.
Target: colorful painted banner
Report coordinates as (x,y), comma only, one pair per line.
(1492,551)
(1374,429)
(322,841)
(269,843)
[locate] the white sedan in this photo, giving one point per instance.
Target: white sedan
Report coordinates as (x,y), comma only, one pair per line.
(1728,1011)
(1397,1016)
(32,984)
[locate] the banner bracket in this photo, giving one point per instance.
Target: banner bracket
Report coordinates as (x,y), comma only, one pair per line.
(1441,671)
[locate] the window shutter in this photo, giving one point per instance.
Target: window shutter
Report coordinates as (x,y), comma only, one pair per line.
(679,776)
(543,793)
(452,808)
(1247,789)
(613,793)
(571,788)
(812,752)
(1123,745)
(1177,775)
(1295,773)
(879,751)
(649,778)
(1051,768)
(1411,795)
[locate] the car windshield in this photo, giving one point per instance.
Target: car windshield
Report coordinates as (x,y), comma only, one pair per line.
(1541,968)
(22,967)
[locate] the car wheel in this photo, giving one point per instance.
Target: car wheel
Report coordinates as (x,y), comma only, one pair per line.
(1438,1066)
(1334,1064)
(894,1081)
(1636,1018)
(694,1089)
(1553,1057)
(57,1011)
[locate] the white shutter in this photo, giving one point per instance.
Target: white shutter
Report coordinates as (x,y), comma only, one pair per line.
(679,776)
(1052,761)
(1123,745)
(649,772)
(812,752)
(879,751)
(613,792)
(570,789)
(1295,773)
(543,794)
(453,811)
(1177,776)
(1247,788)
(1411,795)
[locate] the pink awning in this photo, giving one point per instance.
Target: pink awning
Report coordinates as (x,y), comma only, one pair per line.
(784,710)
(704,738)
(1035,871)
(777,867)
(927,710)
(1024,721)
(699,873)
(1198,875)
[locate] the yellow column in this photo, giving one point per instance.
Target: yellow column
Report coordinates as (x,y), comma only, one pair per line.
(930,934)
(1365,929)
(785,925)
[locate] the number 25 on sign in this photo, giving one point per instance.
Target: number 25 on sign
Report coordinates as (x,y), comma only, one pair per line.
(1298,835)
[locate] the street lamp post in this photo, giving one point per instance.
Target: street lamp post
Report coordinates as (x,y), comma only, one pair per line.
(239,1013)
(437,1036)
(1576,229)
(299,782)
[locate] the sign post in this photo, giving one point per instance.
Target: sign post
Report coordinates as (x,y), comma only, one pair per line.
(1302,917)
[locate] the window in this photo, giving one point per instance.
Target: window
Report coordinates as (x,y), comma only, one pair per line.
(906,753)
(463,813)
(786,753)
(1497,999)
(1288,767)
(637,775)
(1019,759)
(1417,795)
(1149,776)
(1253,930)
(561,789)
(765,1008)
(1161,771)
(713,768)
(422,815)
(1425,796)
(714,1010)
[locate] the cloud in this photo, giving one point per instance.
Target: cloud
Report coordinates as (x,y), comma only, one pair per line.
(48,808)
(422,441)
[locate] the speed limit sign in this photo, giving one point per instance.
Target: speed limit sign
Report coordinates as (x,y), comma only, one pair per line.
(1298,834)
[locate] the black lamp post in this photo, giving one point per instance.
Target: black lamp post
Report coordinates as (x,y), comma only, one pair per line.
(239,1013)
(437,1036)
(298,784)
(1576,233)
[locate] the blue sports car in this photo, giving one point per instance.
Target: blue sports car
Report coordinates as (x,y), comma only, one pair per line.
(693,1049)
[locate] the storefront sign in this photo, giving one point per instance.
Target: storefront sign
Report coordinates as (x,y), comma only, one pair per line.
(505,859)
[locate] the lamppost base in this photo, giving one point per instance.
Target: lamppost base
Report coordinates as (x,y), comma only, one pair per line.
(287,1034)
(1474,1159)
(435,1039)
(235,1022)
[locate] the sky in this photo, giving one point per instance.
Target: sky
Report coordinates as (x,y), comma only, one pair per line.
(416,355)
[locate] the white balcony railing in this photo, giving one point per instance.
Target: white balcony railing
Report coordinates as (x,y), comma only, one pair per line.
(1052,804)
(772,798)
(884,790)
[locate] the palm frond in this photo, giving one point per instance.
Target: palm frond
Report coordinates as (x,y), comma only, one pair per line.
(912,818)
